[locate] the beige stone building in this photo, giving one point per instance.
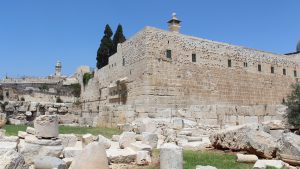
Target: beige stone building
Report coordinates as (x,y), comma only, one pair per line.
(159,73)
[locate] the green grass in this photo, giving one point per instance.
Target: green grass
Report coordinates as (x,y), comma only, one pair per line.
(106,132)
(216,159)
(213,158)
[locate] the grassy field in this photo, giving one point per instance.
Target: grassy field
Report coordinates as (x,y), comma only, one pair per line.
(214,158)
(107,132)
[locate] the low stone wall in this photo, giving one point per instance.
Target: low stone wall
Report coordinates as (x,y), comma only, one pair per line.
(220,115)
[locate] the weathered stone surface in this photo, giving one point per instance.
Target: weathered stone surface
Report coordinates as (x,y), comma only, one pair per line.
(71,152)
(46,126)
(115,138)
(171,156)
(143,158)
(92,156)
(263,164)
(2,120)
(68,140)
(104,141)
(205,167)
(30,130)
(22,134)
(246,158)
(245,137)
(87,139)
(33,106)
(126,155)
(289,148)
(8,143)
(274,124)
(68,161)
(144,125)
(28,113)
(276,133)
(48,162)
(138,146)
(32,148)
(126,138)
(150,139)
(12,160)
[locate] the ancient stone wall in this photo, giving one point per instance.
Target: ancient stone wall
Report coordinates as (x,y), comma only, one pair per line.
(225,84)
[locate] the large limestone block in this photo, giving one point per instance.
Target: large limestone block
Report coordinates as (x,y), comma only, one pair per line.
(274,124)
(31,148)
(12,160)
(289,148)
(68,140)
(30,130)
(93,157)
(150,139)
(87,139)
(171,156)
(8,143)
(104,141)
(246,158)
(263,164)
(245,137)
(126,138)
(138,146)
(144,125)
(143,158)
(33,106)
(126,155)
(48,162)
(46,126)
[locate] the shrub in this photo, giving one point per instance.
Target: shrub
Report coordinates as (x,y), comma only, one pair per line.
(44,88)
(87,77)
(293,104)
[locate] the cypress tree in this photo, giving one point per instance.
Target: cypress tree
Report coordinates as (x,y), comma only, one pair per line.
(118,38)
(106,48)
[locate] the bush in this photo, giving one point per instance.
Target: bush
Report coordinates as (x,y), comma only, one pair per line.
(87,77)
(293,104)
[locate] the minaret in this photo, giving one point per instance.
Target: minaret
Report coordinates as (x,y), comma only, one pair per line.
(174,24)
(298,46)
(57,69)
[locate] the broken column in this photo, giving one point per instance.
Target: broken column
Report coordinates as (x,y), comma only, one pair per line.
(171,156)
(46,126)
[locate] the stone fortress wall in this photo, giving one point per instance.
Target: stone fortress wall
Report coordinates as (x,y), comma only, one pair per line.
(206,90)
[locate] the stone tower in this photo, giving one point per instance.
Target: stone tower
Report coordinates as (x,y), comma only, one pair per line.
(298,46)
(174,24)
(57,69)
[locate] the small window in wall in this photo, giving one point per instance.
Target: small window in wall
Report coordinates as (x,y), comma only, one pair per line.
(284,71)
(245,64)
(169,54)
(229,63)
(193,57)
(295,73)
(259,67)
(272,69)
(123,61)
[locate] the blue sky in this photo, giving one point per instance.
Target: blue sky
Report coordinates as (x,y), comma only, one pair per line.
(34,34)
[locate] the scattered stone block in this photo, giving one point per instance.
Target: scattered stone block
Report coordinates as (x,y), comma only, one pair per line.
(126,138)
(71,152)
(138,146)
(150,139)
(289,148)
(126,155)
(68,140)
(46,126)
(68,161)
(143,158)
(22,134)
(263,164)
(246,158)
(87,139)
(105,141)
(30,130)
(171,156)
(92,156)
(47,162)
(12,160)
(115,138)
(205,167)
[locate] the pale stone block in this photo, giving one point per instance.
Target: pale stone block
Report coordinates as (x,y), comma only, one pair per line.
(143,158)
(46,126)
(246,158)
(171,156)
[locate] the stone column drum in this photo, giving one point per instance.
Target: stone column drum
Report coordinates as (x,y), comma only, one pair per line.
(46,126)
(171,156)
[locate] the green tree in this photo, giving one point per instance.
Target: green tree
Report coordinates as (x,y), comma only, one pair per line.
(105,48)
(118,38)
(293,104)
